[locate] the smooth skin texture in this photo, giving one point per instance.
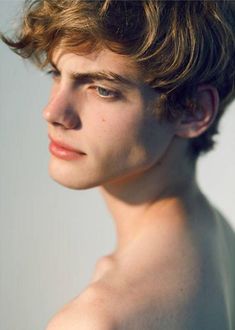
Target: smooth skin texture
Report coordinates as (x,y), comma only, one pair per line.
(166,271)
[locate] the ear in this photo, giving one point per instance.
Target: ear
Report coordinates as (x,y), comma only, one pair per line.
(191,125)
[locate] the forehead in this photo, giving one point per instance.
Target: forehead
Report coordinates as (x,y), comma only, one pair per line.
(100,60)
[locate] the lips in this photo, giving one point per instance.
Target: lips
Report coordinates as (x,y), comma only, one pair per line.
(65,146)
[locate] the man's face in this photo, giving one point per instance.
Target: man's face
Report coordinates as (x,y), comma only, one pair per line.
(105,112)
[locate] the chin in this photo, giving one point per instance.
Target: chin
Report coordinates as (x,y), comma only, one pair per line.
(79,177)
(69,177)
(72,184)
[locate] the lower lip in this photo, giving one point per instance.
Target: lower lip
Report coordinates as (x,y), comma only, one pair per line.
(64,153)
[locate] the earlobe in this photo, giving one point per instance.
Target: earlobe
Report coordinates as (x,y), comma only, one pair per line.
(193,124)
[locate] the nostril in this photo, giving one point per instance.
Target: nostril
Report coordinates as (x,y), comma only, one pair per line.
(61,112)
(73,122)
(68,120)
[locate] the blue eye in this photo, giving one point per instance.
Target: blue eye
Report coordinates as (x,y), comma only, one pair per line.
(104,92)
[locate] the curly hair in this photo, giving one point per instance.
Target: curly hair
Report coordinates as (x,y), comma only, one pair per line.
(177,44)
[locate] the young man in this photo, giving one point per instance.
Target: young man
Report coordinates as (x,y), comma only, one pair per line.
(138,91)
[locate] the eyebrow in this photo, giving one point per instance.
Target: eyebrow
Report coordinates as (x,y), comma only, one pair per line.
(89,77)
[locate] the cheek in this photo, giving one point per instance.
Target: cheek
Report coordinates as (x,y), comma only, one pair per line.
(125,140)
(154,136)
(112,138)
(120,131)
(112,121)
(122,135)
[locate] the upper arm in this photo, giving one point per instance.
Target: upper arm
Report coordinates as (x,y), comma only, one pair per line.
(91,312)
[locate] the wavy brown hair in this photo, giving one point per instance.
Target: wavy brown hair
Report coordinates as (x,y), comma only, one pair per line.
(177,44)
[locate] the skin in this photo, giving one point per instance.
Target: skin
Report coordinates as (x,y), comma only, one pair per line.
(165,226)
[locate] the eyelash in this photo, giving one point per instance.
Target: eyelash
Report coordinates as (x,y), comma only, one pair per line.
(115,94)
(53,73)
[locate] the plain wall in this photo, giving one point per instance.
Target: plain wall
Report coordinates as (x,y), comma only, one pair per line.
(51,236)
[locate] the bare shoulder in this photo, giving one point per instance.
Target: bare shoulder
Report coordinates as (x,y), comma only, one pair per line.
(91,310)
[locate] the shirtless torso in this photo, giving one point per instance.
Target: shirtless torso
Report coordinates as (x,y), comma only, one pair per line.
(187,284)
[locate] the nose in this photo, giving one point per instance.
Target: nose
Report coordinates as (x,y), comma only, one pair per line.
(60,110)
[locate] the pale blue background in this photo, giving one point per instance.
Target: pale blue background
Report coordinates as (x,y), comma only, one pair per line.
(51,236)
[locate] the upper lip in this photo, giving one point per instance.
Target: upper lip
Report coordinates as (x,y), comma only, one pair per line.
(64,145)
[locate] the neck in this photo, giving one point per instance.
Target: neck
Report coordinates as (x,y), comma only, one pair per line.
(157,196)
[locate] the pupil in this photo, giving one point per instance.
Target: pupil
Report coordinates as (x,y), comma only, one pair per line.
(103,91)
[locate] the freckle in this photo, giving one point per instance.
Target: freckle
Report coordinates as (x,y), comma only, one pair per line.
(103,119)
